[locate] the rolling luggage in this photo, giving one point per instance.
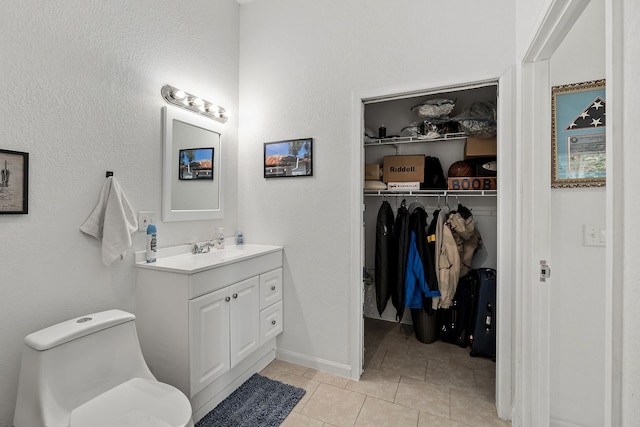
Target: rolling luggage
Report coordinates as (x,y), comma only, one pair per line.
(483,342)
(455,324)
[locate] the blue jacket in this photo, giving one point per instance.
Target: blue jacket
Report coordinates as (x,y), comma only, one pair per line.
(415,282)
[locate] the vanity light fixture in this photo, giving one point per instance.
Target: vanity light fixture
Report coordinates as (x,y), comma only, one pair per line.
(194,103)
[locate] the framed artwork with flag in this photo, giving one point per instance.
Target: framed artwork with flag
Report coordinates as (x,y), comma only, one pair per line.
(578,135)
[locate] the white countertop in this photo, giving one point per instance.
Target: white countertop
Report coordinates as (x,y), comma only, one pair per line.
(179,259)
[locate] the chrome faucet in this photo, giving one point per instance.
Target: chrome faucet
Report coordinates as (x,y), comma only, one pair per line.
(201,249)
(217,242)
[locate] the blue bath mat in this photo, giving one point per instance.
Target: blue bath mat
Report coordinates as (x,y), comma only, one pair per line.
(259,402)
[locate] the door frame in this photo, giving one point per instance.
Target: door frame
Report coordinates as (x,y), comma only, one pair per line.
(614,251)
(506,212)
(533,127)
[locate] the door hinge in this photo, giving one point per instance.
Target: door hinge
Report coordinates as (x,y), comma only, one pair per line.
(545,271)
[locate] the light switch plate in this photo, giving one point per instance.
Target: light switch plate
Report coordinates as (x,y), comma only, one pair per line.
(592,235)
(144,219)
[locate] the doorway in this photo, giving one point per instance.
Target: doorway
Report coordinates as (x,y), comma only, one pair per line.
(505,209)
(551,373)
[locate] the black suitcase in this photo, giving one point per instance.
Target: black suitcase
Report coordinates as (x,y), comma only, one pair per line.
(483,342)
(455,324)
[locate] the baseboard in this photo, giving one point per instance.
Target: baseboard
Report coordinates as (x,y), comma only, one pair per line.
(406,319)
(554,422)
(314,362)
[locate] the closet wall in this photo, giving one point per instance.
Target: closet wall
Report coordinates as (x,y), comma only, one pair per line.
(395,114)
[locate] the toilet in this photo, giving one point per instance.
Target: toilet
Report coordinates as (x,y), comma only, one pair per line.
(90,372)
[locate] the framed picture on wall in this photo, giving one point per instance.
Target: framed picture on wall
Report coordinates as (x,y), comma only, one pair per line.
(288,158)
(14,182)
(578,135)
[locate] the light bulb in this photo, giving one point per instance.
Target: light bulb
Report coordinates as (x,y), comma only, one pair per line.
(196,102)
(178,94)
(213,109)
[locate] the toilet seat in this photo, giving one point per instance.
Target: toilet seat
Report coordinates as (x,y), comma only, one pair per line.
(138,402)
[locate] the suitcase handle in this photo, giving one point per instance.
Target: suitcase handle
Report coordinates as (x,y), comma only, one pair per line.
(488,320)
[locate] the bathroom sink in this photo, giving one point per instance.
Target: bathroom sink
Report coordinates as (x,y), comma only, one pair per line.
(193,263)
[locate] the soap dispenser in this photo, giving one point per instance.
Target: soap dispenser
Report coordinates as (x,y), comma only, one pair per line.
(220,238)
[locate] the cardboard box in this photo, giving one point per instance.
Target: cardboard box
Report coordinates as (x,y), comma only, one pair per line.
(403,169)
(481,147)
(372,172)
(403,186)
(473,183)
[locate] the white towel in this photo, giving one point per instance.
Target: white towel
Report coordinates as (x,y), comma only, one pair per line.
(113,220)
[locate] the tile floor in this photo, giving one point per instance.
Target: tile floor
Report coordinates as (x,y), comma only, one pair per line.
(405,383)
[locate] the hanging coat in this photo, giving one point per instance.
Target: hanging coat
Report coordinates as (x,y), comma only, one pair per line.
(448,261)
(421,283)
(431,242)
(402,246)
(386,255)
(467,237)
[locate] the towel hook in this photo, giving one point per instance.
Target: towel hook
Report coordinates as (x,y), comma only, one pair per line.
(109,173)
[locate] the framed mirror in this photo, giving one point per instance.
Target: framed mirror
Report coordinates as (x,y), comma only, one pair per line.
(191,178)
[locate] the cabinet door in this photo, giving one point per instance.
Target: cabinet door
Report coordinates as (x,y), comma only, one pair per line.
(208,338)
(245,318)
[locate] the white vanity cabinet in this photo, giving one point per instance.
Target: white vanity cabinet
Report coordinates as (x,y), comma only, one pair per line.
(206,330)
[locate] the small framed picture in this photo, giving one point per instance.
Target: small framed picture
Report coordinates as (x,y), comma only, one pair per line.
(195,164)
(14,183)
(288,158)
(578,135)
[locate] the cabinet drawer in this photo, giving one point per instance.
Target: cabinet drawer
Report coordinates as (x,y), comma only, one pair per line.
(270,288)
(270,322)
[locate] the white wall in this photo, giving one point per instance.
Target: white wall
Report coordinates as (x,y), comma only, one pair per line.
(81,93)
(300,65)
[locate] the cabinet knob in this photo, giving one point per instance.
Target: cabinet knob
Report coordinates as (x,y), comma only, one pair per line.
(227,299)
(273,288)
(273,322)
(235,296)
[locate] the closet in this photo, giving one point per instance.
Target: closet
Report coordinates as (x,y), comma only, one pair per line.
(399,117)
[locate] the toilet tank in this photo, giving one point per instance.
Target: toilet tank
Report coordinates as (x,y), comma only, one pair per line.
(70,363)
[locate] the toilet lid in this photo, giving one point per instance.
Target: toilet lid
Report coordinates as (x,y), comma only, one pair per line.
(138,402)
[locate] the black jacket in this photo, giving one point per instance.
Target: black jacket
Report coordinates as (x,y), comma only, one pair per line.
(402,246)
(386,255)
